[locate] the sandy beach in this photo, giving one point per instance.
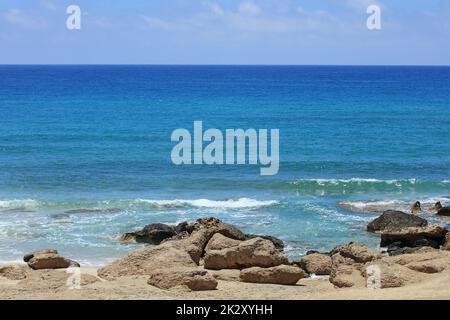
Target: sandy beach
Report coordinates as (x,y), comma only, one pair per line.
(434,286)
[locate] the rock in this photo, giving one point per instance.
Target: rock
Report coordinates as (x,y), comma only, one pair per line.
(437,206)
(282,274)
(226,274)
(345,276)
(357,252)
(389,275)
(395,249)
(395,220)
(50,261)
(445,211)
(431,236)
(416,207)
(219,242)
(278,243)
(446,245)
(255,252)
(194,279)
(14,271)
(317,263)
(28,256)
(185,252)
(435,266)
(152,233)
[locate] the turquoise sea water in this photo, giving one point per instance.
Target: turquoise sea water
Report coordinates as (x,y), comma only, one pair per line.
(98,138)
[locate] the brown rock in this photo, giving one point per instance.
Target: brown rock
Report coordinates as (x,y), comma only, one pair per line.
(28,256)
(14,271)
(434,266)
(184,253)
(255,252)
(50,261)
(317,263)
(345,276)
(219,242)
(357,252)
(194,279)
(444,211)
(282,274)
(226,274)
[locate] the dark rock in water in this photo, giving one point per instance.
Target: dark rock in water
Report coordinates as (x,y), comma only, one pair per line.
(445,211)
(438,206)
(416,207)
(60,216)
(278,243)
(17,210)
(157,233)
(152,233)
(430,236)
(395,220)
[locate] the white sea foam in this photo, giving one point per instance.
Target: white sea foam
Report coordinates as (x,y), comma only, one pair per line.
(378,206)
(27,204)
(206,203)
(353,180)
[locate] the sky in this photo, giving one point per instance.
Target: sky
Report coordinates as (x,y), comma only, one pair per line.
(413,32)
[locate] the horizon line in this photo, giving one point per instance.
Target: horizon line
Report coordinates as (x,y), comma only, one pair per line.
(224,64)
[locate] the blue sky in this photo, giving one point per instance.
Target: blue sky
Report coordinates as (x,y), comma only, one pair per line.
(225,32)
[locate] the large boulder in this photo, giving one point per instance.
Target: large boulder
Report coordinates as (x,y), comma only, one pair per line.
(316,263)
(282,274)
(185,252)
(152,233)
(357,252)
(48,259)
(14,271)
(255,252)
(194,279)
(395,220)
(430,236)
(219,242)
(278,243)
(445,211)
(28,256)
(345,276)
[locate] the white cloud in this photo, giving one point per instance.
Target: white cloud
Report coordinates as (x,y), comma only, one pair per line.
(157,23)
(249,8)
(18,18)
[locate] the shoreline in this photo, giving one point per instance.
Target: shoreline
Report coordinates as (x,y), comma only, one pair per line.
(209,259)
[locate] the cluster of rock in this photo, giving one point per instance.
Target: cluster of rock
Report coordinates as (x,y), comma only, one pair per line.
(195,255)
(412,248)
(438,208)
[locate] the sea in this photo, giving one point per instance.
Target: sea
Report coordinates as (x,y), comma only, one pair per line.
(85,152)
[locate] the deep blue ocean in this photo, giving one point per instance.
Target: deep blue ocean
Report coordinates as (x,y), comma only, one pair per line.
(353,141)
